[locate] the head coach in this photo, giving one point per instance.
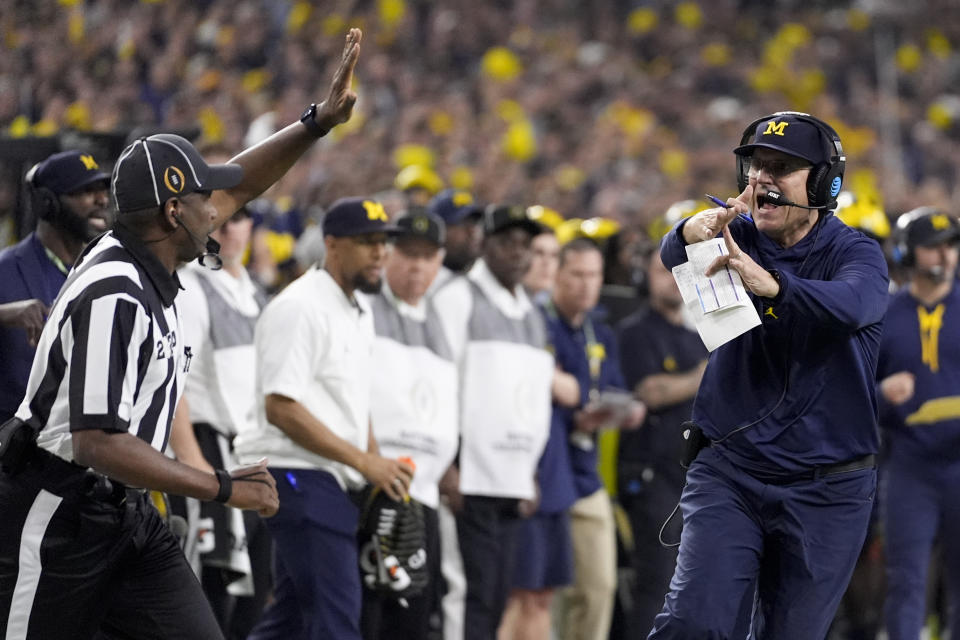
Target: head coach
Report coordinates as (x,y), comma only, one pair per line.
(82,551)
(780,491)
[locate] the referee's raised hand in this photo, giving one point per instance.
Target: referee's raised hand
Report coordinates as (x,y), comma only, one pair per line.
(255,489)
(338,105)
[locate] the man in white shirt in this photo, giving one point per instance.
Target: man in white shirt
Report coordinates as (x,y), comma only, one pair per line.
(499,342)
(313,347)
(415,414)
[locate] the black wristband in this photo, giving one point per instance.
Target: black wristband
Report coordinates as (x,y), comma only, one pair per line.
(226,485)
(309,120)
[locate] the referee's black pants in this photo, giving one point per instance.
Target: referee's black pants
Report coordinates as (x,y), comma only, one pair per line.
(80,559)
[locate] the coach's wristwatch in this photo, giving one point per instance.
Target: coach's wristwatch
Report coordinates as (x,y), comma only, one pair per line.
(309,120)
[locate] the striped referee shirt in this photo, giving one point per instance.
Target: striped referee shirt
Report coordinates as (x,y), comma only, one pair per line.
(111,355)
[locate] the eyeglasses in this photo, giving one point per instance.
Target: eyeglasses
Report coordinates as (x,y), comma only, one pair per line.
(776,168)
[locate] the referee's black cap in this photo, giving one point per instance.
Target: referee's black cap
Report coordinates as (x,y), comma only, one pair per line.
(159,167)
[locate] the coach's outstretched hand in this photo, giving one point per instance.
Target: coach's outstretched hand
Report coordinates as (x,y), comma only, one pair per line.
(338,106)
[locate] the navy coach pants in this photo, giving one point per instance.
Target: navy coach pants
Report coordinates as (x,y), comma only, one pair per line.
(798,541)
(317,593)
(81,559)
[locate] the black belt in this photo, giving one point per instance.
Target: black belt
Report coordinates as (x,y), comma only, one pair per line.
(868,461)
(64,478)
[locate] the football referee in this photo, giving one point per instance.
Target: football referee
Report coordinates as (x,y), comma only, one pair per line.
(82,552)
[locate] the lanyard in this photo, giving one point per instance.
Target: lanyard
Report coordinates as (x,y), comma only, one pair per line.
(57,262)
(594,351)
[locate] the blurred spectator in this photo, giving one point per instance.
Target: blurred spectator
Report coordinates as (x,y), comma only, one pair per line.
(587,349)
(461,214)
(543,265)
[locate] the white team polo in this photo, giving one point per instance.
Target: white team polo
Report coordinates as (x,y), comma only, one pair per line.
(314,345)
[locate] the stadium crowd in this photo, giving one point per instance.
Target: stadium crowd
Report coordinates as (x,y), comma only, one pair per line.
(603,125)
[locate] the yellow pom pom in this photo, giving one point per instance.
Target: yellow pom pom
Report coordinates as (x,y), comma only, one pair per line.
(499,63)
(461,178)
(642,20)
(412,154)
(391,12)
(689,15)
(520,142)
(673,163)
(299,14)
(909,58)
(858,19)
(78,116)
(938,45)
(716,54)
(20,127)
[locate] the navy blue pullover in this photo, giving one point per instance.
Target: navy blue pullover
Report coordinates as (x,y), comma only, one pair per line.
(806,376)
(925,428)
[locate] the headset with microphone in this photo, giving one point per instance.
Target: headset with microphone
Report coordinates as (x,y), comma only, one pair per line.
(904,253)
(211,258)
(825,179)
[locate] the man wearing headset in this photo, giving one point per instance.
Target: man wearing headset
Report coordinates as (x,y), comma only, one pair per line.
(917,371)
(779,495)
(70,196)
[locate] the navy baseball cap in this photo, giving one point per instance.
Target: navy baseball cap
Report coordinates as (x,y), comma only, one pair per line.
(357,216)
(420,223)
(156,168)
(453,207)
(498,217)
(928,227)
(791,135)
(67,172)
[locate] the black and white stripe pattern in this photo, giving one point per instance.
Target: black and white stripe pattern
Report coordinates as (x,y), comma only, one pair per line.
(111,355)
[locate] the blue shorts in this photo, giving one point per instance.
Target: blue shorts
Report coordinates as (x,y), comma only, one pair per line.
(544,558)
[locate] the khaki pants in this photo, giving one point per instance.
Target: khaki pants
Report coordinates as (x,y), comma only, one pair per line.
(585,607)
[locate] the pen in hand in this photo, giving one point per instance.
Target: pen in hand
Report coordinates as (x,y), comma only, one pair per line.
(717,201)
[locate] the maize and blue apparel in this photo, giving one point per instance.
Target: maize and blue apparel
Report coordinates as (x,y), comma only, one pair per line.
(314,346)
(919,501)
(112,356)
(499,343)
(415,415)
(649,480)
(785,491)
(28,270)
